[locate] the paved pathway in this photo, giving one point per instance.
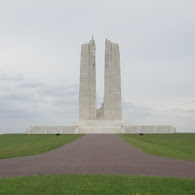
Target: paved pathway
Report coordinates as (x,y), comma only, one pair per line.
(96,154)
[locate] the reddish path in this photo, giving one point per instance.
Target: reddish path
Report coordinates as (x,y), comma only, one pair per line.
(96,154)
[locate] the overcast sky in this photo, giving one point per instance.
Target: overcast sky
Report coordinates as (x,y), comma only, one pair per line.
(40,42)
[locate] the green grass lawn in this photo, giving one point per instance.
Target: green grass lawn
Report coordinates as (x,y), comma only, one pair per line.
(14,145)
(97,184)
(180,146)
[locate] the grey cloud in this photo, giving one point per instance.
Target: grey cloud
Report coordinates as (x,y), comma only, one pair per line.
(58,91)
(14,113)
(134,113)
(10,110)
(17,77)
(132,107)
(176,110)
(43,104)
(17,97)
(30,84)
(67,102)
(190,111)
(182,110)
(26,89)
(190,102)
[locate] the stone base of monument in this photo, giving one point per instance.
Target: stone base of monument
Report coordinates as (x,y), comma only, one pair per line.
(101,127)
(50,130)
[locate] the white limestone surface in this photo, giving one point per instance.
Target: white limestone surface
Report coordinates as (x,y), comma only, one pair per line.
(150,129)
(101,127)
(87,87)
(50,130)
(119,126)
(112,82)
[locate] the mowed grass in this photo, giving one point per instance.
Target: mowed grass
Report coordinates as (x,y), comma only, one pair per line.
(97,184)
(179,146)
(14,145)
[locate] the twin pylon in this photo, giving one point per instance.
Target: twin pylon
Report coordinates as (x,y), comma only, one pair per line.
(112,106)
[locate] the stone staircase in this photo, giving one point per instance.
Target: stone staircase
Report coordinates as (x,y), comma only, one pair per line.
(99,130)
(99,126)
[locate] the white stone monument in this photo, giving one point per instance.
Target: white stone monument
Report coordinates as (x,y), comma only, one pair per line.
(112,89)
(108,118)
(87,88)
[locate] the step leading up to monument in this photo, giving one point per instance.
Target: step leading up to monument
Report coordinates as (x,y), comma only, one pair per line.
(100,126)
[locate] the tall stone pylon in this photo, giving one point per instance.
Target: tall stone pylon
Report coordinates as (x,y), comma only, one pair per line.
(87,88)
(112,82)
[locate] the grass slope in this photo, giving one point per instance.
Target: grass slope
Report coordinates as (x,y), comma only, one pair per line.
(180,146)
(14,145)
(97,184)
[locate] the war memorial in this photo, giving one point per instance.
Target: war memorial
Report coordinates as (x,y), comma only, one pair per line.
(108,118)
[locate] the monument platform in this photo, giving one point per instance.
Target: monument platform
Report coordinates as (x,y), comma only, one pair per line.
(101,127)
